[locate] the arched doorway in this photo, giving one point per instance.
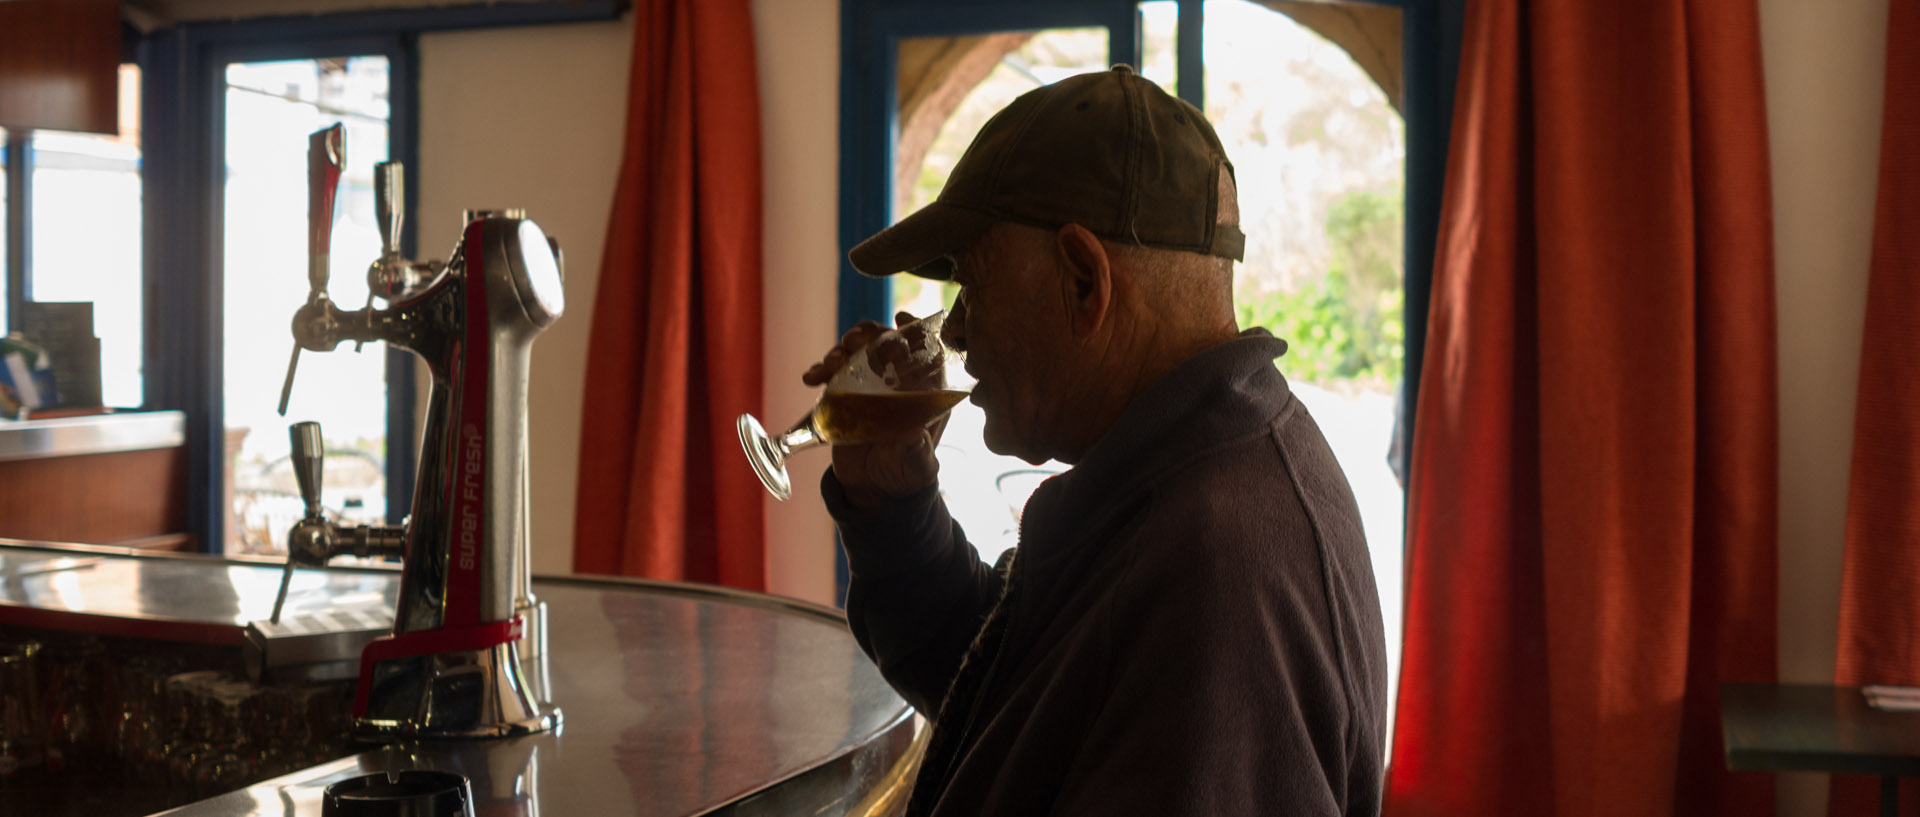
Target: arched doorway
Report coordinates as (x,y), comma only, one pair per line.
(1307,99)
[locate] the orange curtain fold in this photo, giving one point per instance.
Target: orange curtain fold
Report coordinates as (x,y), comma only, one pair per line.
(1880,585)
(676,346)
(1592,536)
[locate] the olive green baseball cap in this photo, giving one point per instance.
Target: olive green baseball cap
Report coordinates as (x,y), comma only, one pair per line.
(1109,151)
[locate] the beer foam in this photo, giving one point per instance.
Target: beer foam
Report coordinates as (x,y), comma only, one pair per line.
(909,358)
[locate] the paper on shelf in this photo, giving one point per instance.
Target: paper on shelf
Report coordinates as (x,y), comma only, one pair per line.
(1892,698)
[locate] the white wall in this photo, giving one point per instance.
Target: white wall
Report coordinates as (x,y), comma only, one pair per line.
(534,118)
(799,63)
(1825,67)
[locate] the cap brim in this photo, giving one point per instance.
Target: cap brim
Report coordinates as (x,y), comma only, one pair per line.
(921,243)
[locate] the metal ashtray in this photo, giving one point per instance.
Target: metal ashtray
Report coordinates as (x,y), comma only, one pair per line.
(411,793)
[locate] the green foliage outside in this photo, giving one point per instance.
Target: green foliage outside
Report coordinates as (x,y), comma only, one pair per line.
(1347,325)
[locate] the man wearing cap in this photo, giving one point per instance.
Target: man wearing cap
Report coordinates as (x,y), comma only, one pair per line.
(1189,624)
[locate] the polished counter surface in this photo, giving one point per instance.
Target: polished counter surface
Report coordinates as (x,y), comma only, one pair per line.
(678,699)
(124,592)
(91,434)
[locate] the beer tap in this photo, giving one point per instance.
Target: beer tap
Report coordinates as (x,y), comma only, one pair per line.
(319,326)
(314,540)
(466,655)
(393,276)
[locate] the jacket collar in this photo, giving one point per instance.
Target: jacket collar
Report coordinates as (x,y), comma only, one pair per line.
(1217,397)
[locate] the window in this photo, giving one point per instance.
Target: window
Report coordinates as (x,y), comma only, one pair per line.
(271,109)
(221,96)
(6,229)
(76,244)
(984,491)
(1336,189)
(1320,152)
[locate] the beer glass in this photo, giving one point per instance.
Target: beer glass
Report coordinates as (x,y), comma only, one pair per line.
(896,384)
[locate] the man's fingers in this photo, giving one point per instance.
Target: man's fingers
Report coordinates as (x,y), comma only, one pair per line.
(836,358)
(823,371)
(860,334)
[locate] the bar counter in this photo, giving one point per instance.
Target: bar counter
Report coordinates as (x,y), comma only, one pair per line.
(91,434)
(116,478)
(678,699)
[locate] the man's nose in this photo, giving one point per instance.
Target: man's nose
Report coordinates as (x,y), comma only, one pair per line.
(954,331)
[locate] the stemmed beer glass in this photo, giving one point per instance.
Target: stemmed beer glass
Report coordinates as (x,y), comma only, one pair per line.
(898,383)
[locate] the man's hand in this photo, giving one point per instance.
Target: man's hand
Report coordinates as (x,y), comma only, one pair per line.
(874,473)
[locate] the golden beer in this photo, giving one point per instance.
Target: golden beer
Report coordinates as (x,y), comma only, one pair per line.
(891,387)
(843,418)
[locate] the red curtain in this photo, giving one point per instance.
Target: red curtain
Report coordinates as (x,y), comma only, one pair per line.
(1880,588)
(675,352)
(1592,528)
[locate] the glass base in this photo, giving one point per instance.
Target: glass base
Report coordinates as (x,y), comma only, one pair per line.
(769,461)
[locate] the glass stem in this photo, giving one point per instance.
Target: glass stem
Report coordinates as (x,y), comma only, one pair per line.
(798,438)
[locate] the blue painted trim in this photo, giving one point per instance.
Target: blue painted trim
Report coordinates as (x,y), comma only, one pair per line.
(870,34)
(945,19)
(857,71)
(1430,59)
(18,223)
(1189,53)
(403,145)
(220,55)
(179,154)
(866,119)
(208,104)
(870,31)
(1126,36)
(160,181)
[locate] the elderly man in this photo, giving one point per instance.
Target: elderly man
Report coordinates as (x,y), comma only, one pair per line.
(1189,624)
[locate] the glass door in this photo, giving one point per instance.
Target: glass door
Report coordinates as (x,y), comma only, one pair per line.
(271,108)
(1319,150)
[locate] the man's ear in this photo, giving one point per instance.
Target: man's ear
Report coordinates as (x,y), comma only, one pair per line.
(1087,280)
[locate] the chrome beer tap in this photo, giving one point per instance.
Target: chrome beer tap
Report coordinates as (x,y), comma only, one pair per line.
(315,539)
(393,275)
(466,657)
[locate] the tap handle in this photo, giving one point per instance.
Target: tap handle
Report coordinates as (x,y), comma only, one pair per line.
(286,580)
(326,155)
(389,204)
(309,456)
(286,388)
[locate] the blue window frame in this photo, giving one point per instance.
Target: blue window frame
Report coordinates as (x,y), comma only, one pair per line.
(17,223)
(872,29)
(183,127)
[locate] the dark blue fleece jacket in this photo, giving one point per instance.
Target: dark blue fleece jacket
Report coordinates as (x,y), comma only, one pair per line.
(1195,628)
